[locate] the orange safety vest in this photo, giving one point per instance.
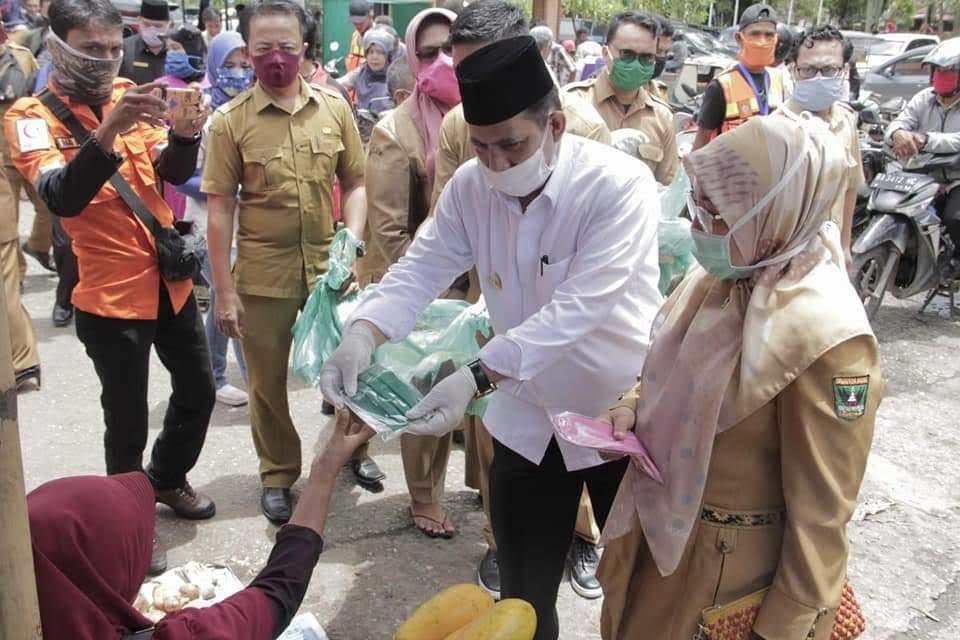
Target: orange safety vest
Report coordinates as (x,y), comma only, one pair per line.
(357,56)
(742,102)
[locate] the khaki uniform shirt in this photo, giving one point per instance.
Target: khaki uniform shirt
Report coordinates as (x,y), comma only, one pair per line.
(398,192)
(843,123)
(647,114)
(781,487)
(284,164)
(455,147)
(659,89)
(8,199)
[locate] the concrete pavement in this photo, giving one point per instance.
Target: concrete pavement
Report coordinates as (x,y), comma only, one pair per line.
(905,537)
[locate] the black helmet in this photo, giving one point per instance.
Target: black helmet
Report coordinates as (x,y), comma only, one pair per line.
(784,43)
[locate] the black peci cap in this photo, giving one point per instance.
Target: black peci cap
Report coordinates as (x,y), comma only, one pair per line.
(501,80)
(155,10)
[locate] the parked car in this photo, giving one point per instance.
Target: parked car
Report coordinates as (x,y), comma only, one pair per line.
(862,41)
(703,43)
(890,45)
(902,76)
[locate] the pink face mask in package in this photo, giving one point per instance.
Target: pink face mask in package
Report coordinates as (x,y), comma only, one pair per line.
(597,434)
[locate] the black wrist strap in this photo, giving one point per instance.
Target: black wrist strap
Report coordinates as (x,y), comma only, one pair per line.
(80,134)
(484,385)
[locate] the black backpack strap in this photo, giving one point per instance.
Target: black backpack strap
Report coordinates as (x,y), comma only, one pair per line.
(80,134)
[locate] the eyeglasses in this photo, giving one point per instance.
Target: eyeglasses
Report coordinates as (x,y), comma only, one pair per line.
(703,212)
(806,72)
(629,55)
(429,53)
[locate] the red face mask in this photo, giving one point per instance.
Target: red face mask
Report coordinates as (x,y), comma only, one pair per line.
(277,69)
(944,82)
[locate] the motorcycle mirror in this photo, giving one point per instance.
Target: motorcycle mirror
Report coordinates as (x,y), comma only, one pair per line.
(687,89)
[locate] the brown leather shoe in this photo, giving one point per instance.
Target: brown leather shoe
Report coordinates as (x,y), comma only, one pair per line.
(187,503)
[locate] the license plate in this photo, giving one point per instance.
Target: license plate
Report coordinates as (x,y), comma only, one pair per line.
(895,181)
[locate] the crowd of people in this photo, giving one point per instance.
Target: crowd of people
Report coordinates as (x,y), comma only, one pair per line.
(490,171)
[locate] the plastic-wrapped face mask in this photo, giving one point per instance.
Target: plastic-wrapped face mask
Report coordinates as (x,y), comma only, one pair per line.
(383,397)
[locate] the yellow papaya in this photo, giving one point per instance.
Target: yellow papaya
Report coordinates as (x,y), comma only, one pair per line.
(445,613)
(510,619)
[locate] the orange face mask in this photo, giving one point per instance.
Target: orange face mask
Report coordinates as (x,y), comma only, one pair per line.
(757,54)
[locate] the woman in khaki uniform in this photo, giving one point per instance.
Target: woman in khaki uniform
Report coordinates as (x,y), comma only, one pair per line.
(757,404)
(400,171)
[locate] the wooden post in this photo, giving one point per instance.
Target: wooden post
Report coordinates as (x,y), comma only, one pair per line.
(550,12)
(19,612)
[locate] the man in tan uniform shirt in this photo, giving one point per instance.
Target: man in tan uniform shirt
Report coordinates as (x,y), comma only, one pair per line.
(823,47)
(634,34)
(26,358)
(478,25)
(281,144)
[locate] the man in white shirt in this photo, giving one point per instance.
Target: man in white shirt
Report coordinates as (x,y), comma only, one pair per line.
(562,232)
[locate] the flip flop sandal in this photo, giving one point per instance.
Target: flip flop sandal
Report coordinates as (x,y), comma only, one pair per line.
(446,535)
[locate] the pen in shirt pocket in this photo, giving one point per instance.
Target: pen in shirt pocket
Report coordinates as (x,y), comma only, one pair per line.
(544,260)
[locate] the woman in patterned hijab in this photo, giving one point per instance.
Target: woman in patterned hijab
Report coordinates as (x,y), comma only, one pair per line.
(737,407)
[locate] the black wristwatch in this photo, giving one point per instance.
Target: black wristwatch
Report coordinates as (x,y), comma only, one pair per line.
(361,249)
(484,386)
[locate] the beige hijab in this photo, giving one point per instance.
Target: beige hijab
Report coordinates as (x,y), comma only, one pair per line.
(723,349)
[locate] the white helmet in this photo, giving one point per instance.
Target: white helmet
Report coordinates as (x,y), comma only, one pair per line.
(946,54)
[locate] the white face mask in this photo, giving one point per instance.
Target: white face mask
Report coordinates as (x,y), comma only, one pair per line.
(525,178)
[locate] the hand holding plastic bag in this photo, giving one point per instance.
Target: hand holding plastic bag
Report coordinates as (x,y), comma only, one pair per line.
(338,377)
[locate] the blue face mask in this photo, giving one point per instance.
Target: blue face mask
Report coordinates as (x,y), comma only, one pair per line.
(179,65)
(233,81)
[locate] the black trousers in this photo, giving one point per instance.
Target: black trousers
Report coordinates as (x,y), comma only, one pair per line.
(66,262)
(950,214)
(533,512)
(120,350)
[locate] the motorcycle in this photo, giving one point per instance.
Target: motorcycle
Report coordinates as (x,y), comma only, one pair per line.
(904,248)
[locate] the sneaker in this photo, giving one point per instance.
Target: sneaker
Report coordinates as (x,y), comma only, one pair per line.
(187,503)
(488,574)
(232,396)
(583,561)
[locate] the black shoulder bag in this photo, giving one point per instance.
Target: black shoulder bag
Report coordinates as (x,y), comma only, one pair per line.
(179,250)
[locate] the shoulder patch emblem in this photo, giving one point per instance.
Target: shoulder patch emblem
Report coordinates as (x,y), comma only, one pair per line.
(850,396)
(33,134)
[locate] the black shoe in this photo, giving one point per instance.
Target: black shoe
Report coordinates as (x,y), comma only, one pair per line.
(158,561)
(583,561)
(277,504)
(367,471)
(327,409)
(28,379)
(488,574)
(61,316)
(459,438)
(43,258)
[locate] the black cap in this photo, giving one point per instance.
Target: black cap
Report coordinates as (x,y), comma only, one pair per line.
(155,10)
(501,80)
(757,13)
(359,10)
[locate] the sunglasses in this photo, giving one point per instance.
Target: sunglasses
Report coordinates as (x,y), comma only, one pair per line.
(429,53)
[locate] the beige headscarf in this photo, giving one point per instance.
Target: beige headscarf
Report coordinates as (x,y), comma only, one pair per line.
(723,349)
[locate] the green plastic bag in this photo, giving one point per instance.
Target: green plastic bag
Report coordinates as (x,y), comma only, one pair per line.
(673,233)
(446,336)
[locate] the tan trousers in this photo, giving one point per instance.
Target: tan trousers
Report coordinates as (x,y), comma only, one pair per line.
(480,446)
(266,348)
(22,339)
(41,234)
(425,466)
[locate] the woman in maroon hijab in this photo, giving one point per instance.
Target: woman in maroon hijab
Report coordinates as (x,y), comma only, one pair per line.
(92,541)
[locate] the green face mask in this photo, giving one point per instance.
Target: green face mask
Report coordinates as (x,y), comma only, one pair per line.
(630,76)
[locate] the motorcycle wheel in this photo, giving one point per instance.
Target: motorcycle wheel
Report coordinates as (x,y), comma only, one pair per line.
(872,274)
